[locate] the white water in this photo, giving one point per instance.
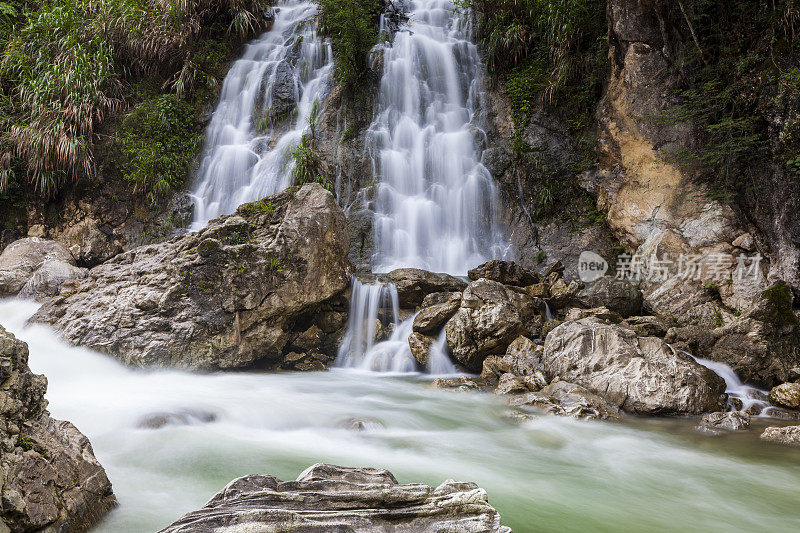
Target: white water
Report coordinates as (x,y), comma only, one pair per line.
(552,474)
(752,398)
(436,203)
(245,158)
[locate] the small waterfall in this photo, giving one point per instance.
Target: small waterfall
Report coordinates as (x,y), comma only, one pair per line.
(281,77)
(439,362)
(376,339)
(435,202)
(751,399)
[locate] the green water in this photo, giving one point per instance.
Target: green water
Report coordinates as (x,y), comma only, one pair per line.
(551,474)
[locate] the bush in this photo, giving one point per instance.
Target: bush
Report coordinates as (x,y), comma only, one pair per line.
(159,139)
(552,51)
(65,64)
(352,27)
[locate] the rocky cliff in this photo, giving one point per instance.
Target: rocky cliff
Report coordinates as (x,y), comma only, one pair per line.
(49,477)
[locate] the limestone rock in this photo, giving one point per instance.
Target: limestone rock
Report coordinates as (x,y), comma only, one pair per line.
(786,395)
(568,399)
(431,319)
(602,314)
(36,268)
(510,384)
(420,347)
(722,421)
(617,295)
(414,284)
(782,435)
(335,498)
(225,297)
(491,316)
(505,272)
(49,477)
(641,375)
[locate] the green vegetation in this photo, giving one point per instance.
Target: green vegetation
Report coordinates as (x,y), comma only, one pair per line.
(544,51)
(307,167)
(780,299)
(26,443)
(159,140)
(259,206)
(66,66)
(352,27)
(740,68)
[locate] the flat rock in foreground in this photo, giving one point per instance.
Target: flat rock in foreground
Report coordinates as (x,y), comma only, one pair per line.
(338,499)
(248,289)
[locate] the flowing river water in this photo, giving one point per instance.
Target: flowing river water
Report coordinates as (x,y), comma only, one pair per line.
(550,474)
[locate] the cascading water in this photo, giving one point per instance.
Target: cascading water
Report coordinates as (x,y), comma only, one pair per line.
(435,202)
(282,76)
(741,397)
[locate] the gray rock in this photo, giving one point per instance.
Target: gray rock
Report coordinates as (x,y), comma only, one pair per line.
(36,268)
(335,498)
(789,435)
(722,421)
(510,384)
(431,319)
(568,399)
(226,297)
(414,284)
(641,375)
(49,477)
(491,316)
(617,295)
(505,272)
(786,395)
(420,347)
(284,89)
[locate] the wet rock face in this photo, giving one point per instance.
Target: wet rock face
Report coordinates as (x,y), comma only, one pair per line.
(36,268)
(617,295)
(641,375)
(413,285)
(246,290)
(568,399)
(725,421)
(505,272)
(491,316)
(49,477)
(786,395)
(335,498)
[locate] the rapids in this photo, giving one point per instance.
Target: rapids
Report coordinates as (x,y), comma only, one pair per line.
(551,474)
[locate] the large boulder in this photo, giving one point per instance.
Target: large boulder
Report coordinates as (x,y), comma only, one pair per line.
(413,284)
(642,375)
(786,395)
(505,272)
(430,320)
(335,498)
(491,316)
(36,268)
(242,291)
(49,477)
(618,295)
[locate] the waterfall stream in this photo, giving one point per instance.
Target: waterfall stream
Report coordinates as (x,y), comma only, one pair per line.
(281,77)
(436,203)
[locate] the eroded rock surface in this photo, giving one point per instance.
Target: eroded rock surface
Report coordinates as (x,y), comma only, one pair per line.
(335,498)
(36,268)
(641,375)
(49,478)
(248,289)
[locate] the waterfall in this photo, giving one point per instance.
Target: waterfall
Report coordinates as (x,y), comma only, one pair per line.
(741,397)
(435,202)
(281,77)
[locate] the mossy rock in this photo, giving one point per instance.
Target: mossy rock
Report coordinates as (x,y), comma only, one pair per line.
(778,308)
(208,247)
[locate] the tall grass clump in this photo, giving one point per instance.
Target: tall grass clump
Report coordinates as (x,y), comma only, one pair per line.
(65,66)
